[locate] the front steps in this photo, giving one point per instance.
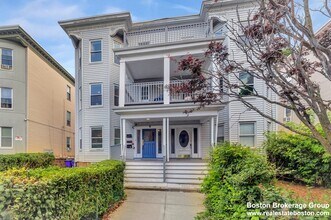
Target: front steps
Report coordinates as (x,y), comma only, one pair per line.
(177,175)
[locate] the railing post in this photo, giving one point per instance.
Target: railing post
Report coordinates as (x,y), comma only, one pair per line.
(211,28)
(123,141)
(164,169)
(212,124)
(125,39)
(166,34)
(166,80)
(122,84)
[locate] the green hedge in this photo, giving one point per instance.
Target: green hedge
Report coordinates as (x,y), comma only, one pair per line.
(299,158)
(61,193)
(28,160)
(237,175)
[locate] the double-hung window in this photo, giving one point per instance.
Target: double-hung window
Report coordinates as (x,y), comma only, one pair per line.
(68,93)
(68,118)
(96,137)
(6,137)
(6,95)
(80,139)
(68,143)
(96,51)
(116,94)
(220,134)
(80,100)
(247,134)
(247,84)
(6,58)
(117,136)
(96,94)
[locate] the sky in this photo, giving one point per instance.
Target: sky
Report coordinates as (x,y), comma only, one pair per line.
(40,18)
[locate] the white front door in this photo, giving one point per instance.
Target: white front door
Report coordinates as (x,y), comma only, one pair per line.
(184,141)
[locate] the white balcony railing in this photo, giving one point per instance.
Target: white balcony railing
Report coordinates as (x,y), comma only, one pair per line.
(152,93)
(167,34)
(144,93)
(179,96)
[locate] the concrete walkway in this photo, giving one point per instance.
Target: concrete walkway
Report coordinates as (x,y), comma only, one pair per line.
(159,205)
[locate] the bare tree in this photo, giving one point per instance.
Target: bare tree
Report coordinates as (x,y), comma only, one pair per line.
(281,49)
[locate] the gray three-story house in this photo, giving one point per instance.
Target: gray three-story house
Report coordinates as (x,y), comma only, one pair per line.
(124,106)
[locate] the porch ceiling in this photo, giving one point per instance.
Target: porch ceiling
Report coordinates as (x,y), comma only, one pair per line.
(186,120)
(171,111)
(153,69)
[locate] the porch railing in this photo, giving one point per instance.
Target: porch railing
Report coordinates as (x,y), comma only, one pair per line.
(179,96)
(167,34)
(152,93)
(144,93)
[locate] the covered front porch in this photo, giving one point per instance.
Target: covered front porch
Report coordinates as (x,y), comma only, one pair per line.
(167,134)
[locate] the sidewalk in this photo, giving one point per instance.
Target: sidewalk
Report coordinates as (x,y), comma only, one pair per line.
(159,205)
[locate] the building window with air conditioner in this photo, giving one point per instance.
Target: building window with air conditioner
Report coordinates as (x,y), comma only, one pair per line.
(6,58)
(287,115)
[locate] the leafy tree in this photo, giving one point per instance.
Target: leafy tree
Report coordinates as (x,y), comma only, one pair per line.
(282,50)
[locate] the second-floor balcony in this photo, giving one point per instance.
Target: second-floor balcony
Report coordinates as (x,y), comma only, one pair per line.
(170,34)
(153,92)
(156,79)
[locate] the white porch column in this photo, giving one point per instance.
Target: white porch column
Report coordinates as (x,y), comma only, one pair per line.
(122,83)
(168,140)
(212,130)
(123,139)
(166,80)
(164,138)
(216,129)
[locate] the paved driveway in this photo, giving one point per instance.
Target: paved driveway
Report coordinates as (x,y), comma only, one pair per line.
(159,205)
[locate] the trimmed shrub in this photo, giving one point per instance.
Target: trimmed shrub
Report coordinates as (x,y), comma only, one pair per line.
(28,160)
(299,158)
(237,176)
(61,193)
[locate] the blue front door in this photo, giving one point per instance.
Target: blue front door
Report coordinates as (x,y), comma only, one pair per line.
(149,143)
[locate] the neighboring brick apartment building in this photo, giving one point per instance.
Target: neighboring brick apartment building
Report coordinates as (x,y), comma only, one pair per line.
(37,98)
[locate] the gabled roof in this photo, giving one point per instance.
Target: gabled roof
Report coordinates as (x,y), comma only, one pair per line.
(19,34)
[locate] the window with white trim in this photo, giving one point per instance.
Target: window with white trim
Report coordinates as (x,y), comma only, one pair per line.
(96,94)
(6,134)
(80,137)
(247,84)
(116,94)
(79,57)
(247,134)
(6,95)
(117,136)
(6,58)
(287,114)
(96,51)
(220,134)
(80,98)
(96,137)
